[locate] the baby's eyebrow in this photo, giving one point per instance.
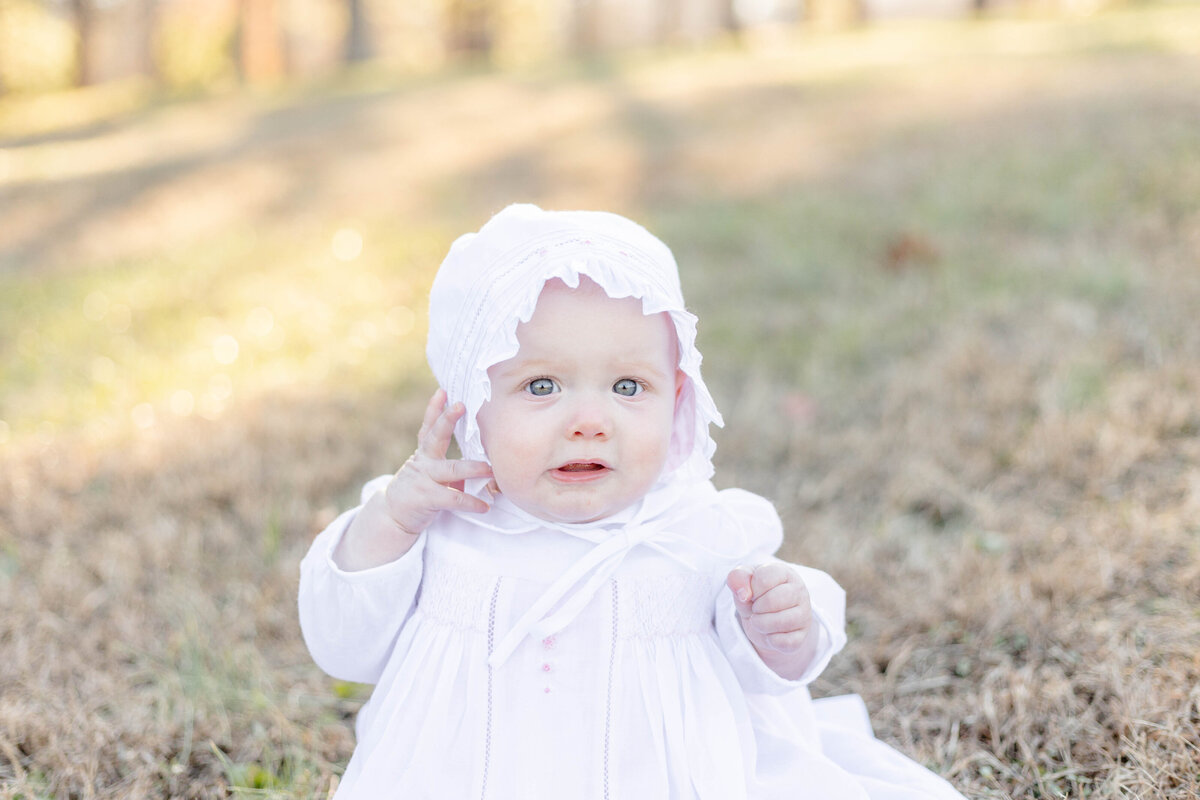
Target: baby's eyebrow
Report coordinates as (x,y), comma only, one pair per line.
(518,366)
(538,365)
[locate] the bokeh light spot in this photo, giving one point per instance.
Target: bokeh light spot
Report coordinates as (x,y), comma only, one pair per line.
(260,322)
(143,415)
(183,403)
(225,349)
(347,244)
(400,321)
(95,306)
(104,370)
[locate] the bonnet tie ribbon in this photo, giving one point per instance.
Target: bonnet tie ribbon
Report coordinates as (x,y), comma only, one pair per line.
(570,594)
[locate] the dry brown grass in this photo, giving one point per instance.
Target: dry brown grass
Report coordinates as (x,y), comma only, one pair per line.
(1026,609)
(995,447)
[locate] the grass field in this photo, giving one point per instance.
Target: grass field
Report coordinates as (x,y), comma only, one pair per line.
(948,277)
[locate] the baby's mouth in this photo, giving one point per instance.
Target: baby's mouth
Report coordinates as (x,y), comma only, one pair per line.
(582,466)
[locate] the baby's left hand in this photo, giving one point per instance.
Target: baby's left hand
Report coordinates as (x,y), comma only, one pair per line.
(776,614)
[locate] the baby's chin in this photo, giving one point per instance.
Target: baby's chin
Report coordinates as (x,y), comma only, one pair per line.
(567,515)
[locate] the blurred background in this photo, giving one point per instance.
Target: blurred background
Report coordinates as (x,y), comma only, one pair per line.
(945,258)
(199,44)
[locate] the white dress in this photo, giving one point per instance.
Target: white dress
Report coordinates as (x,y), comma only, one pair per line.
(648,688)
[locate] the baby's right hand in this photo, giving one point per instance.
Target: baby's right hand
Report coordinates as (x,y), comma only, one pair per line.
(429,482)
(388,524)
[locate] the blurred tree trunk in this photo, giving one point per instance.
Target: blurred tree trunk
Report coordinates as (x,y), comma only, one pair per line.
(670,16)
(147,31)
(469,26)
(729,18)
(585,26)
(81,11)
(835,13)
(358,40)
(3,88)
(258,45)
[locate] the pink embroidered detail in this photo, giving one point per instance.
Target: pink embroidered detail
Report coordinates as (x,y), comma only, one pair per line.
(549,642)
(545,667)
(546,690)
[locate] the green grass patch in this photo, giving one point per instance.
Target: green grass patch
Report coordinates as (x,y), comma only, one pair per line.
(190,331)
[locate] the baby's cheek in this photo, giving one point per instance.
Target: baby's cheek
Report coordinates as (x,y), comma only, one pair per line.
(515,468)
(501,474)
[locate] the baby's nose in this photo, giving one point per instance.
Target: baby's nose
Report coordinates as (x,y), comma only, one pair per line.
(590,421)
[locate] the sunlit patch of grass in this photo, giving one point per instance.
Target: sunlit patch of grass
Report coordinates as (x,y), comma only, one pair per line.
(1011,211)
(346,690)
(284,777)
(190,331)
(223,702)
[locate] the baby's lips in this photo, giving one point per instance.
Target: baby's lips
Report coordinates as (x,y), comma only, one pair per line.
(583,466)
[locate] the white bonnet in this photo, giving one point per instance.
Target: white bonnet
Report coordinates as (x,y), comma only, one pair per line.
(490,281)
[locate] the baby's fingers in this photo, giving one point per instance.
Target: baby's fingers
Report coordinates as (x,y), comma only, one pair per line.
(454,500)
(432,411)
(787,621)
(414,499)
(790,641)
(739,583)
(434,439)
(453,473)
(770,575)
(792,594)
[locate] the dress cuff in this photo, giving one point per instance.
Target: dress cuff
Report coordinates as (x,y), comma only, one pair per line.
(337,529)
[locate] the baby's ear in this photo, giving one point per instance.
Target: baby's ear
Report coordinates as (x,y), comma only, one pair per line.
(680,380)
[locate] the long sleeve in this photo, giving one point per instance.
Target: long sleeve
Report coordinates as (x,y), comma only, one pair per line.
(762,533)
(350,620)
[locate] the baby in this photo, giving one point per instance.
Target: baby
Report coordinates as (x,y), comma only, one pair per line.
(572,609)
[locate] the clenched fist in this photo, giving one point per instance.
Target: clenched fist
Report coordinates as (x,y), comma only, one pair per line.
(776,614)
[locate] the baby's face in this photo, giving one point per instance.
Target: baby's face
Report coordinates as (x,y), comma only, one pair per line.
(580,418)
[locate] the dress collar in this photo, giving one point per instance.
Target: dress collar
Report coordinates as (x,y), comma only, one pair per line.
(653,522)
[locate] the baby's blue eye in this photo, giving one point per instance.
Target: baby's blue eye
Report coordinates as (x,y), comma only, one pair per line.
(540,387)
(627,387)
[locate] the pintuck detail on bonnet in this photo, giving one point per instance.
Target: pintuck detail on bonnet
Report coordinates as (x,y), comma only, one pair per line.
(490,281)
